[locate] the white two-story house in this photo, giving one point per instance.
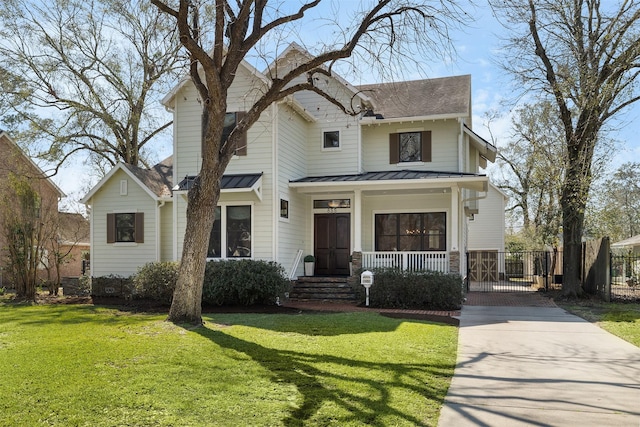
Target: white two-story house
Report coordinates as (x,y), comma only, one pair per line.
(393,186)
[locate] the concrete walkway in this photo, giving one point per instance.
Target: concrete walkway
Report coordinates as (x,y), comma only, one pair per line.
(540,366)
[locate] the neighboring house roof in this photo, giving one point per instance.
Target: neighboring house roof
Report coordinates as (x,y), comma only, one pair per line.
(39,171)
(73,229)
(627,243)
(474,181)
(446,96)
(157,181)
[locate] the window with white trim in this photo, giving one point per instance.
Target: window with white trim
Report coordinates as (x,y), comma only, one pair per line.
(231,231)
(125,227)
(411,231)
(331,140)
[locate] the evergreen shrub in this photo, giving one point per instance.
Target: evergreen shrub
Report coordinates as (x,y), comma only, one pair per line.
(419,290)
(155,281)
(243,282)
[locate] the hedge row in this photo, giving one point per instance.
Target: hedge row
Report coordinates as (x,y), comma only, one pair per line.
(424,290)
(228,282)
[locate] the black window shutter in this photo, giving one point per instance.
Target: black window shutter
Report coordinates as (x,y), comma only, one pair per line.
(111,228)
(394,148)
(426,146)
(139,224)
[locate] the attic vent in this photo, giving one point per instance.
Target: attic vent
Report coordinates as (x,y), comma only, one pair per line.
(123,187)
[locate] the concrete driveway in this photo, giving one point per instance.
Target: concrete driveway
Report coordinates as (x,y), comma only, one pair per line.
(540,366)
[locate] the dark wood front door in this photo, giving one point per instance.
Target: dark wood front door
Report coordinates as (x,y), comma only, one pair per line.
(332,237)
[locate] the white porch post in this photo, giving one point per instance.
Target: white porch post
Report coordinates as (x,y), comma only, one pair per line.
(455,218)
(357,220)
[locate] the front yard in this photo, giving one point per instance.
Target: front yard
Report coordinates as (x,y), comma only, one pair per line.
(84,365)
(621,319)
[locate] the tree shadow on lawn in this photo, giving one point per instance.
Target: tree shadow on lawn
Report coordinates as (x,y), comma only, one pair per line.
(315,381)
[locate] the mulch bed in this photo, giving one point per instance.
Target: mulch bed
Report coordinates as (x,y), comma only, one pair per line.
(145,306)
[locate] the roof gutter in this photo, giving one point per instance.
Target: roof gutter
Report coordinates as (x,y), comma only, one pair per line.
(434,117)
(478,183)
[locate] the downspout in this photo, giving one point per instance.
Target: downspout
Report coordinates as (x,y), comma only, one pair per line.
(91,238)
(461,145)
(158,233)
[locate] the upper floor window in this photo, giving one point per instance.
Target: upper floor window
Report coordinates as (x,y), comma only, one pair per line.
(125,227)
(230,121)
(331,139)
(410,147)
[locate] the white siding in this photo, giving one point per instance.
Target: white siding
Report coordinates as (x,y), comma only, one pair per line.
(292,135)
(121,258)
(486,231)
(330,118)
(444,145)
(166,232)
(188,122)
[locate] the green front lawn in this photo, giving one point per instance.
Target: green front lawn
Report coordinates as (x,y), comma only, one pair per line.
(80,365)
(621,319)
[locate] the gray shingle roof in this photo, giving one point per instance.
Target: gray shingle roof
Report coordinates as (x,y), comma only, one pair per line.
(387,176)
(159,179)
(418,98)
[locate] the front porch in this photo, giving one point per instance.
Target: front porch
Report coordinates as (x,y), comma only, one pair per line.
(410,261)
(443,262)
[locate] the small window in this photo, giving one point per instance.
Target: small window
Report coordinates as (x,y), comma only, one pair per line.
(125,228)
(331,139)
(284,209)
(332,204)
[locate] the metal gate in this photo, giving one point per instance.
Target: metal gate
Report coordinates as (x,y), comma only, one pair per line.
(493,271)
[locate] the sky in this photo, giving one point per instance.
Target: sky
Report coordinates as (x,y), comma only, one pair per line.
(475,48)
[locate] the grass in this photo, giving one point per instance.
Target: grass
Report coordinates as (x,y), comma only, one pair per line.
(81,365)
(621,319)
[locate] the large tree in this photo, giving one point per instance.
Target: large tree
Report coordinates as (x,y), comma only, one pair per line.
(86,76)
(530,169)
(241,27)
(585,57)
(614,208)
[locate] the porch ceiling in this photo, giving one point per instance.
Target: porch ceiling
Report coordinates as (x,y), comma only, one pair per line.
(409,182)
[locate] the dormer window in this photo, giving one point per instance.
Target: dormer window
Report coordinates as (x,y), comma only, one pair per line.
(410,147)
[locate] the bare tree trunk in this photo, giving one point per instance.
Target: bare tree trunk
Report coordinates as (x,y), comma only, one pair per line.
(573,207)
(187,297)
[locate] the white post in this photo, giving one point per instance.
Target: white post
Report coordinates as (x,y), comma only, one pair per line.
(357,220)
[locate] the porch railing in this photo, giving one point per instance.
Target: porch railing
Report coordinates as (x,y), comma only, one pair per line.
(411,261)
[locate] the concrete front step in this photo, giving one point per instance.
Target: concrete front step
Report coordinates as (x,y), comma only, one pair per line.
(322,289)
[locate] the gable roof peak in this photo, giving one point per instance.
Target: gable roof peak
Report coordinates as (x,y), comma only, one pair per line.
(420,98)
